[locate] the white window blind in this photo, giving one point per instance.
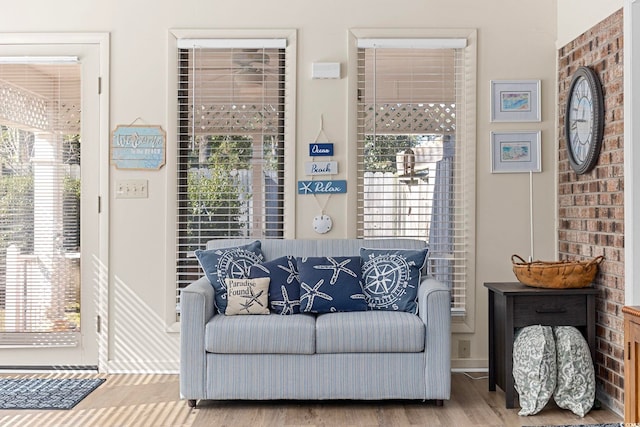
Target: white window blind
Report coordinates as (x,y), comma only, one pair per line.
(231,121)
(39,201)
(411,181)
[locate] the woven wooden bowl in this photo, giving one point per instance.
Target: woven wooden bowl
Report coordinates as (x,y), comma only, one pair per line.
(556,274)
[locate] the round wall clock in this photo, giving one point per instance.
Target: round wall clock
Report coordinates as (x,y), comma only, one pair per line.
(584,120)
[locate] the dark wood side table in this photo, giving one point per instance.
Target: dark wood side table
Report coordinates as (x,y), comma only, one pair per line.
(513,305)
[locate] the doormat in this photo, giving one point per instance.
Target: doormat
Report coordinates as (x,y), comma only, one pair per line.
(45,393)
(587,425)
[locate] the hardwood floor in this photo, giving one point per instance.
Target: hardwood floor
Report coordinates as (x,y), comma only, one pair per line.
(153,400)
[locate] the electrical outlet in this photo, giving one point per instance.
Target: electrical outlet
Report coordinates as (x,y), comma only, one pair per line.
(464,349)
(132,189)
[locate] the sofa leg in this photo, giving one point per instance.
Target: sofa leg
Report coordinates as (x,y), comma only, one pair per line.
(439,402)
(191,403)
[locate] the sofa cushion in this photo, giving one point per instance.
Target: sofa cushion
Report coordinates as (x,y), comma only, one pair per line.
(284,289)
(369,332)
(391,278)
(330,284)
(272,334)
(247,296)
(233,262)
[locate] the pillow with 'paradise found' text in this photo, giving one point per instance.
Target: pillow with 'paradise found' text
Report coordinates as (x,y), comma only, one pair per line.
(247,296)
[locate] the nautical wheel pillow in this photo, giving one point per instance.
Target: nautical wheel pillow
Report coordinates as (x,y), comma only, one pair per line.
(223,263)
(391,278)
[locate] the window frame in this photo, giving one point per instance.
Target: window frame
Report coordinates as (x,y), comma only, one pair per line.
(172,129)
(461,323)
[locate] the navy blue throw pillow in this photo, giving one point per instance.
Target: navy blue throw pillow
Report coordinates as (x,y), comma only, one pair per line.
(284,288)
(233,263)
(391,278)
(330,284)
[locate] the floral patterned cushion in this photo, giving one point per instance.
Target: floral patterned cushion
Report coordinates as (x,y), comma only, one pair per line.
(534,367)
(576,388)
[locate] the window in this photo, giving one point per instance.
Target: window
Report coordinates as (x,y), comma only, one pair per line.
(413,154)
(231,141)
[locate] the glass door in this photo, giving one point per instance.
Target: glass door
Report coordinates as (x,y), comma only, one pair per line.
(49,133)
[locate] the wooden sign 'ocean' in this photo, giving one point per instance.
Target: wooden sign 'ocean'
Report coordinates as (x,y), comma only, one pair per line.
(138,147)
(321,149)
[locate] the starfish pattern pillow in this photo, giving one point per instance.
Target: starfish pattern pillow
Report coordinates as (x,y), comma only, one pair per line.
(234,263)
(247,296)
(331,284)
(284,288)
(391,278)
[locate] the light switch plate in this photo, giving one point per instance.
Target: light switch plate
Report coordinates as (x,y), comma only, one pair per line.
(132,189)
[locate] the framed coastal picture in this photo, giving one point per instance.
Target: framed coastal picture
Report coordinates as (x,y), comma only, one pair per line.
(515,101)
(513,152)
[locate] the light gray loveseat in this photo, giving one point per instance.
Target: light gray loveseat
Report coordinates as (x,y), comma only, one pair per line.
(364,355)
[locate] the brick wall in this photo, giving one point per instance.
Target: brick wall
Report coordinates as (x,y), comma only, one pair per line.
(591,206)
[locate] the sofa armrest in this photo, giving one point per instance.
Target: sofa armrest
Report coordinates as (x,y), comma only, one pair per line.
(434,308)
(436,290)
(196,308)
(201,288)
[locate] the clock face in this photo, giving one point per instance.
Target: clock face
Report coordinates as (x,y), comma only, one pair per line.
(581,120)
(584,120)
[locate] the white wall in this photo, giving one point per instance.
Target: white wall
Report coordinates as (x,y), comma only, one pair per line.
(516,40)
(577,16)
(631,155)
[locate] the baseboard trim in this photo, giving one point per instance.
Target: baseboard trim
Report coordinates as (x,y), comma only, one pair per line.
(464,370)
(467,364)
(49,369)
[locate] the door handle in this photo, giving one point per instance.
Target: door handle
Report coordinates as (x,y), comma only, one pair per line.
(551,310)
